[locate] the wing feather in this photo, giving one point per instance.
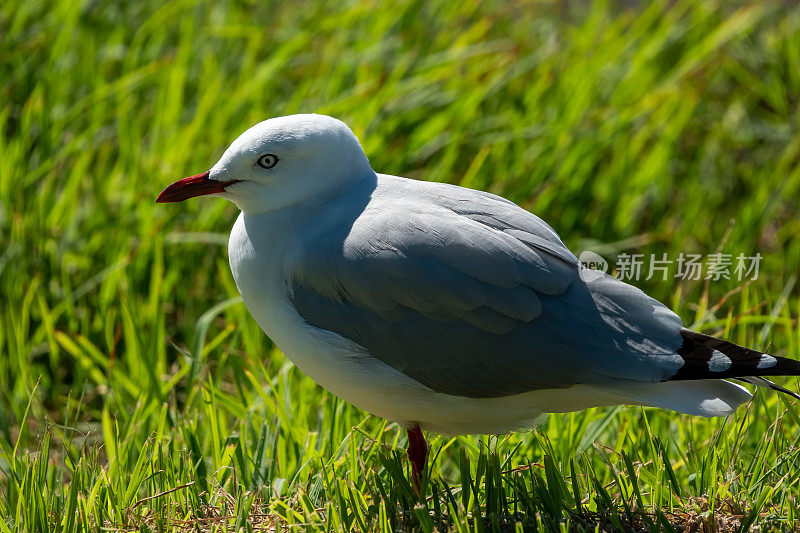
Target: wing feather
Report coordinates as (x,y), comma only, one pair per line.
(471,295)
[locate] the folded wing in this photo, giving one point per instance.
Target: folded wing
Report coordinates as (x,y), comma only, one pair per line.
(471,295)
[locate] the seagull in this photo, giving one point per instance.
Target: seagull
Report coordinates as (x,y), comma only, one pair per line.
(442,308)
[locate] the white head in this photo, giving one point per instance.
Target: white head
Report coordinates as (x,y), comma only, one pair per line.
(280,162)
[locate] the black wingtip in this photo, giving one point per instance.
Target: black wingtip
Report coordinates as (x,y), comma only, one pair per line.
(706,357)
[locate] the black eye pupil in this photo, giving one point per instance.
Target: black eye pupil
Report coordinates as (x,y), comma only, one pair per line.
(267,161)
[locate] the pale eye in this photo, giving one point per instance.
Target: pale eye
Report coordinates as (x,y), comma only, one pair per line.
(267,161)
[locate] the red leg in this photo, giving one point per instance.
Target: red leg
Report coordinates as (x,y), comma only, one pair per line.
(417,452)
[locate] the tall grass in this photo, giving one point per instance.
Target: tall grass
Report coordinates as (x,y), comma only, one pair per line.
(136,392)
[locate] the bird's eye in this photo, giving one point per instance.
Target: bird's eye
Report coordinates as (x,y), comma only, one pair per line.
(267,161)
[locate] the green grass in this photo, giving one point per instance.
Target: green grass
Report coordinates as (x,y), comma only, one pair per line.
(137,393)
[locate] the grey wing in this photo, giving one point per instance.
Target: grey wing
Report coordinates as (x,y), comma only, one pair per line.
(471,295)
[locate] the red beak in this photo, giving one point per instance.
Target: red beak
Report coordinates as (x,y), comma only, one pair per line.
(198,185)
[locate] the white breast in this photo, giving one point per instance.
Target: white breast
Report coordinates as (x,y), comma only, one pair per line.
(336,363)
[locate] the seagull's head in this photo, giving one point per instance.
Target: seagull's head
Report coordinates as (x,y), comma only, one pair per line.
(278,163)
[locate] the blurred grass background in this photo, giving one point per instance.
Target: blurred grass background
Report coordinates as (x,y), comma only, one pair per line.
(129,368)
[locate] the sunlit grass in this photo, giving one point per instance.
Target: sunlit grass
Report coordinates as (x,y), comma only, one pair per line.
(135,390)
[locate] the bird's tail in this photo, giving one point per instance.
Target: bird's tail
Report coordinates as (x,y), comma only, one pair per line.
(707,357)
(700,387)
